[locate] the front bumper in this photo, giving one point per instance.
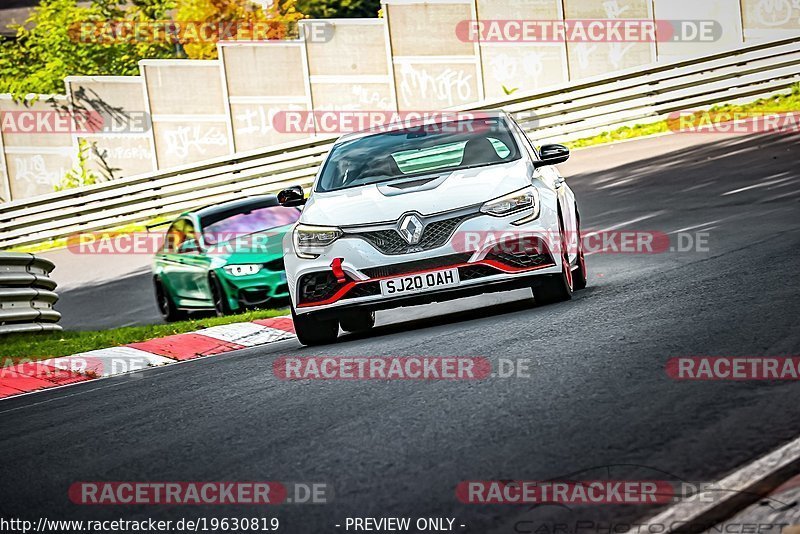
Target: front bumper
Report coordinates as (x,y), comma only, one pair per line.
(253,290)
(489,252)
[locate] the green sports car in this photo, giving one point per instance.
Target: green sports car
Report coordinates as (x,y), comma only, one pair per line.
(224,258)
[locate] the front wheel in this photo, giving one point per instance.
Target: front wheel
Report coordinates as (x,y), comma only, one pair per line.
(312,331)
(218,296)
(556,287)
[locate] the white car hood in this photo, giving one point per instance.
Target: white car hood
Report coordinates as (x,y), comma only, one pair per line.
(377,203)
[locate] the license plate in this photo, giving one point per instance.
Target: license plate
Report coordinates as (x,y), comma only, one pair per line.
(418,283)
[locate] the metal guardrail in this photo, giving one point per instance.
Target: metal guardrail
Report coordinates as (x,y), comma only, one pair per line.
(27,294)
(561,113)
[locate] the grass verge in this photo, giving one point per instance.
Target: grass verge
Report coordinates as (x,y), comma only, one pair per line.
(16,347)
(775,103)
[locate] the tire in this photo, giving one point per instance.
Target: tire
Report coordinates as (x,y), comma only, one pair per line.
(357,321)
(312,331)
(166,306)
(218,296)
(580,275)
(556,287)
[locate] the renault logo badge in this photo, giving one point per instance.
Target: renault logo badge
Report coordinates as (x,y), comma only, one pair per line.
(411,227)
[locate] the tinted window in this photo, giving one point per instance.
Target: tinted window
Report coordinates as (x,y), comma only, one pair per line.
(258,220)
(403,152)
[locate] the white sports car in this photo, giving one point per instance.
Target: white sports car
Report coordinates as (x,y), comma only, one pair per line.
(408,215)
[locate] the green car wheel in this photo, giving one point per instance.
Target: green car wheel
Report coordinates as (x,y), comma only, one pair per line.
(219,296)
(169,312)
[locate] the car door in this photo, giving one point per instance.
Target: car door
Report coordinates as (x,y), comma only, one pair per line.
(169,264)
(193,266)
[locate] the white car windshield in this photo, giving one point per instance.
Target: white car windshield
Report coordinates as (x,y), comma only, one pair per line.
(419,150)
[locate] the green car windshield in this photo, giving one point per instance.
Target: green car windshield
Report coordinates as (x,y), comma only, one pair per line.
(441,147)
(243,224)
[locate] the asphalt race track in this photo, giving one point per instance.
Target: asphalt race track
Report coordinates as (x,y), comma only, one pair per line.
(598,403)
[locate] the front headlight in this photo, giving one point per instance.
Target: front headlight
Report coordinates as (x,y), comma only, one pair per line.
(521,200)
(309,241)
(242,270)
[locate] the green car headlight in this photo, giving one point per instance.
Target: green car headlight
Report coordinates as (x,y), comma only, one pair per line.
(310,240)
(242,270)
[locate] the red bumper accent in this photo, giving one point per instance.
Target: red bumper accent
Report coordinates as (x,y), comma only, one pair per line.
(501,267)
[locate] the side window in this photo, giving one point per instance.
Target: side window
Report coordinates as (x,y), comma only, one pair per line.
(172,239)
(189,242)
(181,231)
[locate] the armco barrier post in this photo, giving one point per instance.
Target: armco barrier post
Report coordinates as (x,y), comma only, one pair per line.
(27,294)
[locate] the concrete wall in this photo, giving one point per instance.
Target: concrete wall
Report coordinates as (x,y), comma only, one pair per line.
(433,69)
(261,79)
(510,67)
(35,161)
(765,20)
(352,70)
(124,144)
(413,59)
(187,105)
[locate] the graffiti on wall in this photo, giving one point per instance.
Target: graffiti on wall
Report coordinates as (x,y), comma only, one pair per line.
(33,177)
(507,69)
(585,52)
(259,120)
(448,88)
(775,13)
(182,141)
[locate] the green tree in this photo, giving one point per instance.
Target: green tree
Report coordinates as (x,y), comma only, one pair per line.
(328,9)
(50,45)
(80,174)
(279,21)
(61,38)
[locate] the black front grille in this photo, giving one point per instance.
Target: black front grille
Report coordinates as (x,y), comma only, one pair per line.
(365,289)
(522,254)
(435,235)
(521,259)
(316,287)
(472,272)
(415,266)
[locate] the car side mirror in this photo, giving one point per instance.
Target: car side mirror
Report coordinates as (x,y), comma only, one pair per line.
(292,197)
(552,155)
